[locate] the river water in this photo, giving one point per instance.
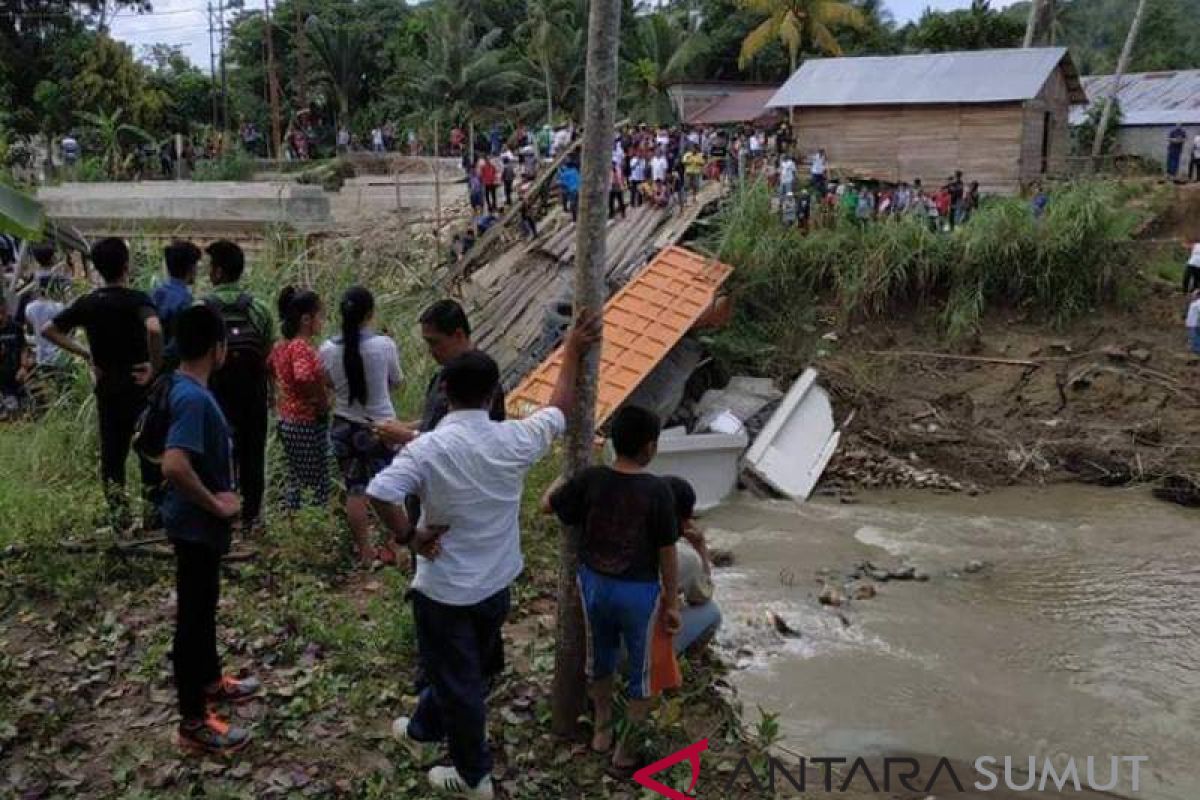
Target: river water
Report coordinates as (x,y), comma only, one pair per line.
(1079,637)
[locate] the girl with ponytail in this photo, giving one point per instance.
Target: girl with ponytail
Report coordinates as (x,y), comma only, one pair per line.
(302,399)
(364,368)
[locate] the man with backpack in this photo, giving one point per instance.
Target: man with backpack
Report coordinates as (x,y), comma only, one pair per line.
(242,383)
(186,425)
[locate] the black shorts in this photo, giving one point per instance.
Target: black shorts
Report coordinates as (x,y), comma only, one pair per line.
(360,454)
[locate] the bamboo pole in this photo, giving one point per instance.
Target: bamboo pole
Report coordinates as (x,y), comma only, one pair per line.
(604,18)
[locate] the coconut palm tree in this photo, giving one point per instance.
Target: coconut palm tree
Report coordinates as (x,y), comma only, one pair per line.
(660,52)
(797,23)
(554,32)
(461,75)
(341,55)
(110,131)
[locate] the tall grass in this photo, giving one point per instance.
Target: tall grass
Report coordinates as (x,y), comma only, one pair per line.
(1069,261)
(51,489)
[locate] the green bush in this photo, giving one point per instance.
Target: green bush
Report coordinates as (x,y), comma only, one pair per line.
(1058,267)
(90,169)
(236,165)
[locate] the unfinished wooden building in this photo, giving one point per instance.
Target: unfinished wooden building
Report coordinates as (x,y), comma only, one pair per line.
(1000,116)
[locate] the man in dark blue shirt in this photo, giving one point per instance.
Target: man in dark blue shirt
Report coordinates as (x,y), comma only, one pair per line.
(198,513)
(1175,141)
(175,293)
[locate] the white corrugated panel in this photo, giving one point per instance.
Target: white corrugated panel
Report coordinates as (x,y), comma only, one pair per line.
(1149,98)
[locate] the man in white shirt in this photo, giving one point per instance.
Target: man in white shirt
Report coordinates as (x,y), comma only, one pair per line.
(38,315)
(1194,164)
(787,175)
(1193,322)
(562,140)
(658,167)
(469,473)
(1191,270)
(817,172)
(637,177)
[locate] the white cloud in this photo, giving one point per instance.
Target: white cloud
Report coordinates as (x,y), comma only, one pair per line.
(183,23)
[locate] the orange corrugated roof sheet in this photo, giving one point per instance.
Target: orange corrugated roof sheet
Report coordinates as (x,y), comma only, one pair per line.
(642,322)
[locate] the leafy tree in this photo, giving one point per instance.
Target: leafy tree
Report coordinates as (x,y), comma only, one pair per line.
(109,77)
(976,28)
(1094,30)
(188,90)
(1085,133)
(461,74)
(796,23)
(663,51)
(341,61)
(43,40)
(553,36)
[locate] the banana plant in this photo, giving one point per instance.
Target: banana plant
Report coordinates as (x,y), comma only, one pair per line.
(109,130)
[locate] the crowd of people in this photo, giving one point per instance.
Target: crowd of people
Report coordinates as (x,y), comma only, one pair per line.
(189,383)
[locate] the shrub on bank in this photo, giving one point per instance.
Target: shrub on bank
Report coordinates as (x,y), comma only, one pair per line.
(1058,267)
(235,165)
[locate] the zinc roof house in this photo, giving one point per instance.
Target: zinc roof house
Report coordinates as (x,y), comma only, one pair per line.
(1000,116)
(1152,103)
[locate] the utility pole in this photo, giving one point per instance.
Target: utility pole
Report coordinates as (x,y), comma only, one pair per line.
(301,57)
(599,115)
(212,64)
(272,83)
(1122,65)
(224,76)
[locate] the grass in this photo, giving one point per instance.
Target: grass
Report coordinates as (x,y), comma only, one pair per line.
(787,282)
(335,647)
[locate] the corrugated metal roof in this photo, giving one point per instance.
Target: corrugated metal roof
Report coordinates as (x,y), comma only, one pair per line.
(1149,98)
(976,76)
(745,105)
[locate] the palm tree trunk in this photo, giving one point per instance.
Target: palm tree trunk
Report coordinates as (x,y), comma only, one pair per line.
(792,110)
(549,93)
(604,21)
(1122,65)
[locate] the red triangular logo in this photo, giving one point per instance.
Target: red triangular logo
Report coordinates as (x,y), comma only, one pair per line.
(691,753)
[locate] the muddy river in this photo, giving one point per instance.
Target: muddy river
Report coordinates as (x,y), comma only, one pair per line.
(1080,635)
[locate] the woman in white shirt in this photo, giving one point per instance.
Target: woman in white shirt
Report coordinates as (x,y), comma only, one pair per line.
(363,367)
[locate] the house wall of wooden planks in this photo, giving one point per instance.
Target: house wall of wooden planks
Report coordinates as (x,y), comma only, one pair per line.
(1001,145)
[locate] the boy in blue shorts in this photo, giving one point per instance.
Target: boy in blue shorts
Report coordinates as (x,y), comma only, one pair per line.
(628,571)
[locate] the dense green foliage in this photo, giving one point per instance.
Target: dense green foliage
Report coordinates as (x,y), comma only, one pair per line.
(1056,267)
(477,62)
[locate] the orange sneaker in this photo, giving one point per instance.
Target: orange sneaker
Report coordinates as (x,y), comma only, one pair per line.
(212,735)
(233,690)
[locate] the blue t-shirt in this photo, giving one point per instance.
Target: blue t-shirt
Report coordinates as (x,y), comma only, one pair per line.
(170,297)
(199,428)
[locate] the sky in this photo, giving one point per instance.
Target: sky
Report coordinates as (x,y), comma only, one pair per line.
(185,23)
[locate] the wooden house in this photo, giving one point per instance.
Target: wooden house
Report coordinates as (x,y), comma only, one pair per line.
(1000,116)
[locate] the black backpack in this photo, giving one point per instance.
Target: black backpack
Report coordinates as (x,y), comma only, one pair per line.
(154,423)
(246,353)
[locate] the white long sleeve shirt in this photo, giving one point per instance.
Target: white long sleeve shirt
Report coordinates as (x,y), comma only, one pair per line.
(469,473)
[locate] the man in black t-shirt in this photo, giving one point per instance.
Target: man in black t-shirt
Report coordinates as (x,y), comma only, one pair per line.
(628,573)
(12,349)
(447,333)
(125,351)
